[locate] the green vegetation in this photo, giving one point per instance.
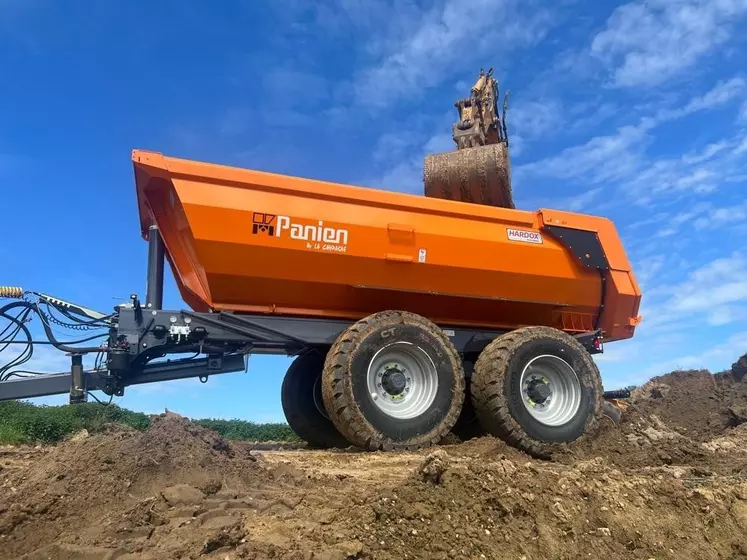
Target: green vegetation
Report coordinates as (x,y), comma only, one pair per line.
(23,422)
(242,430)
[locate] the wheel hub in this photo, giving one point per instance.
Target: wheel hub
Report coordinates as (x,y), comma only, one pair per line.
(539,390)
(551,390)
(402,380)
(393,380)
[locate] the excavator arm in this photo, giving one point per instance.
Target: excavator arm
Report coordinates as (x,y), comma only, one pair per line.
(479,170)
(479,123)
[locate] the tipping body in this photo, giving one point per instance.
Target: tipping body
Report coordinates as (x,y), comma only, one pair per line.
(251,241)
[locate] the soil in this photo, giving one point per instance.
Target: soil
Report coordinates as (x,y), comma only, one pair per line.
(669,482)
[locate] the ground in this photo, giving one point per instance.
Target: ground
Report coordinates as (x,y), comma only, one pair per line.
(669,482)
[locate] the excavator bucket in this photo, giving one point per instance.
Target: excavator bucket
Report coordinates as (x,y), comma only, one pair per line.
(481,175)
(479,170)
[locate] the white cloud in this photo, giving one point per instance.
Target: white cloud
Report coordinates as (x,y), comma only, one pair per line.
(647,43)
(376,25)
(647,269)
(405,176)
(517,145)
(720,282)
(621,156)
(401,153)
(584,202)
(741,148)
(391,146)
(718,357)
(707,153)
(719,95)
(535,118)
(700,298)
(293,87)
(435,49)
(587,115)
(581,202)
(694,174)
(439,143)
(723,315)
(602,158)
(725,216)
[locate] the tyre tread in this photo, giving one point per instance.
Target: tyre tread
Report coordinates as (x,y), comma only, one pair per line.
(338,396)
(316,432)
(490,401)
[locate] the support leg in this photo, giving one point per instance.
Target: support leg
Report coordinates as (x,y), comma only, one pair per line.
(78,392)
(154,289)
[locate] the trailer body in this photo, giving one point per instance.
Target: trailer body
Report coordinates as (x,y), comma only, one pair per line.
(253,242)
(408,316)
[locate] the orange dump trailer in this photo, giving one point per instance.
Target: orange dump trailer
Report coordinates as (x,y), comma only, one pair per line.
(256,242)
(408,317)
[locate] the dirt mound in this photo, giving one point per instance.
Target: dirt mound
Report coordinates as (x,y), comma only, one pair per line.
(669,482)
(77,484)
(695,403)
(504,509)
(670,420)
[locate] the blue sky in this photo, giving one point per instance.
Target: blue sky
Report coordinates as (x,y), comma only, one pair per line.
(636,111)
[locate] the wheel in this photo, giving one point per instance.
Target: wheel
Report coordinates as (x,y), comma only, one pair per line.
(467,425)
(535,388)
(301,396)
(393,381)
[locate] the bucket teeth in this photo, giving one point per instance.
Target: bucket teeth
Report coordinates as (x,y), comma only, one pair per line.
(480,175)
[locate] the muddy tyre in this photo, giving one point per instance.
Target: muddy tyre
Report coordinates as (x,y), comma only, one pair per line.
(468,425)
(536,388)
(301,397)
(393,381)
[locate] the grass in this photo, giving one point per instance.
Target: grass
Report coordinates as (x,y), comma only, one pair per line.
(243,430)
(22,422)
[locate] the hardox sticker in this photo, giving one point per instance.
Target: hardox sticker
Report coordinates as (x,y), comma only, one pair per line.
(524,236)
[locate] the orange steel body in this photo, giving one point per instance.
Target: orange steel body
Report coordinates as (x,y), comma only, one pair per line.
(256,242)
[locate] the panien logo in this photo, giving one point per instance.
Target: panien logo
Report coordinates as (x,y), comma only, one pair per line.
(263,223)
(316,236)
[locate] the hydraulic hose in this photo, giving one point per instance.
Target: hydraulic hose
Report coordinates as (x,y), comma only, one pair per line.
(47,330)
(59,345)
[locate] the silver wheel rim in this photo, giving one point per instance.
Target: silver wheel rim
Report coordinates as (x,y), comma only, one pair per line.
(402,380)
(550,390)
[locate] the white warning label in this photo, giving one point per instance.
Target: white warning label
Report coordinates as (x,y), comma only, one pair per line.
(524,235)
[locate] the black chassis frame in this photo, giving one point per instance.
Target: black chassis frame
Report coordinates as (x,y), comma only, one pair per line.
(141,334)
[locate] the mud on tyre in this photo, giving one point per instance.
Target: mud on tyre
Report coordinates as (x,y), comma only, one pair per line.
(535,388)
(392,381)
(468,425)
(301,397)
